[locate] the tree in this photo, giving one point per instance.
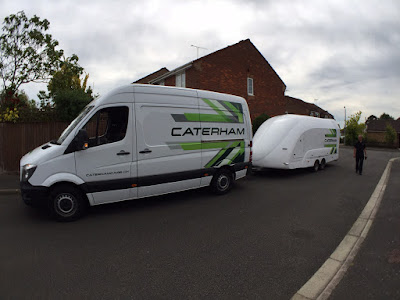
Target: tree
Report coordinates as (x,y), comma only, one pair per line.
(19,98)
(27,52)
(67,91)
(371,118)
(353,128)
(390,135)
(258,121)
(386,116)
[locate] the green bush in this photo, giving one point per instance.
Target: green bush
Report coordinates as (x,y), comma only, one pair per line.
(258,121)
(390,135)
(18,108)
(70,103)
(354,129)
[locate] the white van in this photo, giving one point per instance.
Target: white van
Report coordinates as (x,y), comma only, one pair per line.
(139,141)
(294,141)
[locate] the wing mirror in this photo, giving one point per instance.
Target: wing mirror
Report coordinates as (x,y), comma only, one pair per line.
(81,140)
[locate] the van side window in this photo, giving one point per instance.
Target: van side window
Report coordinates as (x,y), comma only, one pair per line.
(108,125)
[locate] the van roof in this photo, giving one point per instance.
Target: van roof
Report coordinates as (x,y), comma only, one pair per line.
(158,89)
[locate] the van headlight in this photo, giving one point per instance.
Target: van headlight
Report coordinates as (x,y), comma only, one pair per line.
(27,172)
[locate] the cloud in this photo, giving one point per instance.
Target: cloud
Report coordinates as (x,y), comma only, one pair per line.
(343,53)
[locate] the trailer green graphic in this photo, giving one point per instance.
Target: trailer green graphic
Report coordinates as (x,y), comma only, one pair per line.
(333,133)
(333,148)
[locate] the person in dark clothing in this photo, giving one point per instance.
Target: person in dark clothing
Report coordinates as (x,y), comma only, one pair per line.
(359,154)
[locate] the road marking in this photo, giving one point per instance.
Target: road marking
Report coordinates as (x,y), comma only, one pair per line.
(321,285)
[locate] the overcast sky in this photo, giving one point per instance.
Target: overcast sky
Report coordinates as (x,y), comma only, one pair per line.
(333,53)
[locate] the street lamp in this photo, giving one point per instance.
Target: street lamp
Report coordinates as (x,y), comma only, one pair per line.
(344,127)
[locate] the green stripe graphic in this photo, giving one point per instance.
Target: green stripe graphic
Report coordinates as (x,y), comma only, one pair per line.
(204,145)
(240,152)
(217,160)
(207,118)
(235,110)
(225,146)
(226,112)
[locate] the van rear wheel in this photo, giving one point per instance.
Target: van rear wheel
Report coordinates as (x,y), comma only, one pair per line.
(316,166)
(67,203)
(222,182)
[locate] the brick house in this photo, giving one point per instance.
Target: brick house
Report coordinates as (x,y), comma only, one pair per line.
(152,76)
(300,107)
(239,69)
(376,131)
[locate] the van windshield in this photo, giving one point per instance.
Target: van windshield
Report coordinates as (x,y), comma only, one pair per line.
(73,124)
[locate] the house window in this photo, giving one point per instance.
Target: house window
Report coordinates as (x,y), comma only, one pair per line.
(181,80)
(250,88)
(314,114)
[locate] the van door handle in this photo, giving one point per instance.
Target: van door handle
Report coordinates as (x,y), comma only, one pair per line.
(122,152)
(145,151)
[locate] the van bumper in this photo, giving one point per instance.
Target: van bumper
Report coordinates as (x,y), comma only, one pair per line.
(242,166)
(34,195)
(249,169)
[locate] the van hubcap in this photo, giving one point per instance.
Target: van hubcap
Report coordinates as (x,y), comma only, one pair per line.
(65,203)
(223,182)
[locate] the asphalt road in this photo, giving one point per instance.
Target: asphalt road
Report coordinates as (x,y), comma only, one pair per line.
(263,240)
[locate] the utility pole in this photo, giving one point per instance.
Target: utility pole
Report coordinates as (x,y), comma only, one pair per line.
(344,127)
(197,48)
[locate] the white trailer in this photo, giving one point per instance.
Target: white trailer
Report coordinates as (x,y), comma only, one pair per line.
(294,141)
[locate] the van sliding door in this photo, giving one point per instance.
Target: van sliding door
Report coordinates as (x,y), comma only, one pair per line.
(168,142)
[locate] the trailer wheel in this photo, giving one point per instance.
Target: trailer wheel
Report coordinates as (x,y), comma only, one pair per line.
(316,166)
(222,182)
(67,203)
(323,164)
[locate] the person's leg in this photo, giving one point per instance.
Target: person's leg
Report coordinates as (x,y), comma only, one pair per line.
(357,162)
(360,167)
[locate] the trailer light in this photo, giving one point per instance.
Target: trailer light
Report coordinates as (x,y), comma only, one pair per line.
(206,174)
(134,185)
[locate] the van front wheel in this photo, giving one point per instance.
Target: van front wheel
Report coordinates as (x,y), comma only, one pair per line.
(222,182)
(66,203)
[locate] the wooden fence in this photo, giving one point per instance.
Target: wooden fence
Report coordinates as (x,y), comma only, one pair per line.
(20,138)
